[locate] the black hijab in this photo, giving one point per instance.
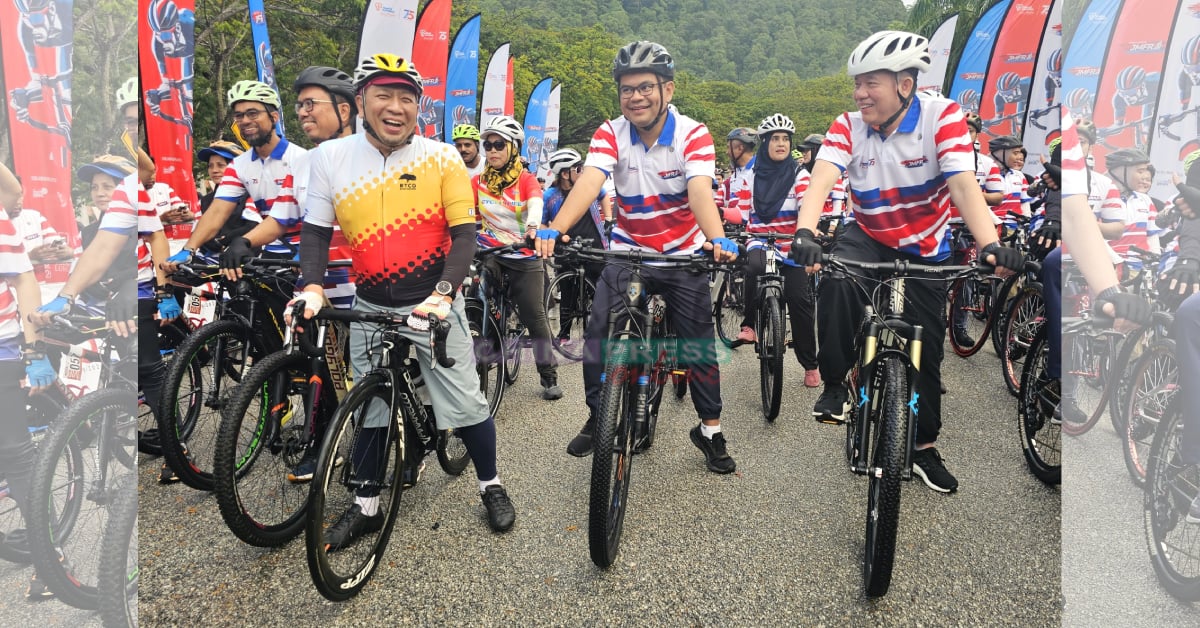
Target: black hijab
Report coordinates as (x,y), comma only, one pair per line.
(772,179)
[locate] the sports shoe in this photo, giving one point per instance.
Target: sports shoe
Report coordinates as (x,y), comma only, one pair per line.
(1071,413)
(746,336)
(500,511)
(304,471)
(812,378)
(37,590)
(832,405)
(581,445)
(1193,513)
(167,475)
(410,479)
(962,339)
(351,525)
(927,464)
(552,392)
(715,456)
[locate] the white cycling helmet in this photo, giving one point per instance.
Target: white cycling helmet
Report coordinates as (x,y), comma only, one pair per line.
(562,159)
(254,91)
(892,51)
(506,127)
(127,93)
(776,122)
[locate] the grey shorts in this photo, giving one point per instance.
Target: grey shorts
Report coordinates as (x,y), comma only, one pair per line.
(454,391)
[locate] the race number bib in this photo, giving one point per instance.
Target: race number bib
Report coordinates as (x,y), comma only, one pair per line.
(199,310)
(78,374)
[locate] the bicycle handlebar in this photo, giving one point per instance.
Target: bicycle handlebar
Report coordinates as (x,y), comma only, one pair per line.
(437,331)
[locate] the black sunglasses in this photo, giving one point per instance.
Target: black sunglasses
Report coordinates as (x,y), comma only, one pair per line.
(494,145)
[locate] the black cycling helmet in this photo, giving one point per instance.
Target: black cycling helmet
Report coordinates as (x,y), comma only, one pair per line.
(1126,157)
(744,135)
(1004,142)
(334,81)
(813,141)
(643,56)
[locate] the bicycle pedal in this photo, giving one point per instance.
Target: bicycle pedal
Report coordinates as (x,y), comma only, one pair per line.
(828,420)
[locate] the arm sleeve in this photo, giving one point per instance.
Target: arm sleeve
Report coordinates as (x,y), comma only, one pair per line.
(462,251)
(314,253)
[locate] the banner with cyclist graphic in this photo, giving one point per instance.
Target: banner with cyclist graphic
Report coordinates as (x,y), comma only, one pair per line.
(165,66)
(431,52)
(1005,92)
(535,124)
(1042,117)
(388,26)
(553,113)
(967,85)
(462,76)
(493,102)
(940,45)
(1085,57)
(1131,76)
(36,46)
(1176,131)
(263,60)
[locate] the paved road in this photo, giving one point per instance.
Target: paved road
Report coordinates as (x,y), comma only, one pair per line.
(779,542)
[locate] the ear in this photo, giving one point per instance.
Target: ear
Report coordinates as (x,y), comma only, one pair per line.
(906,83)
(344,112)
(668,91)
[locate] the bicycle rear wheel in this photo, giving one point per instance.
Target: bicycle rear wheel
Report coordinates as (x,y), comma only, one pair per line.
(969,315)
(452,453)
(1170,487)
(514,347)
(887,462)
(729,307)
(264,433)
(770,355)
(1026,315)
(1085,370)
(1154,384)
(569,307)
(489,363)
(372,465)
(612,458)
(1041,436)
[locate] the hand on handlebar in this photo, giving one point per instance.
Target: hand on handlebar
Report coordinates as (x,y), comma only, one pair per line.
(806,251)
(1007,260)
(723,249)
(312,302)
(546,239)
(435,306)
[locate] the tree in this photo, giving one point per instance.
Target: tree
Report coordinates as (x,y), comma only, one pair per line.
(927,15)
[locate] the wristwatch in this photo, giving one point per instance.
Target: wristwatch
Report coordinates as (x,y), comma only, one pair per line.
(444,288)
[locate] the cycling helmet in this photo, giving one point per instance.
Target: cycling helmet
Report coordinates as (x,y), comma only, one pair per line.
(743,135)
(562,159)
(974,121)
(506,127)
(1009,81)
(387,64)
(465,132)
(1054,63)
(892,51)
(643,56)
(127,93)
(1131,77)
(253,91)
(111,165)
(776,122)
(813,141)
(1126,157)
(162,15)
(797,155)
(1191,52)
(1055,144)
(1086,128)
(25,6)
(332,80)
(1004,142)
(220,148)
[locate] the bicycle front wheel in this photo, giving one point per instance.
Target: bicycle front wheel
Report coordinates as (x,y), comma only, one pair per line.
(118,558)
(612,458)
(1154,384)
(1171,485)
(969,315)
(356,464)
(489,363)
(770,355)
(729,308)
(568,308)
(1026,315)
(887,465)
(1041,434)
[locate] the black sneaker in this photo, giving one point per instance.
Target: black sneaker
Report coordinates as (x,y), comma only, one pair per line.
(581,445)
(962,339)
(307,467)
(351,525)
(552,392)
(37,590)
(832,405)
(715,457)
(500,511)
(927,465)
(1193,513)
(1071,413)
(410,479)
(167,475)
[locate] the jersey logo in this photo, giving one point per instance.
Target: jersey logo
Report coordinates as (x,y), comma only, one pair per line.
(915,163)
(410,179)
(670,174)
(866,163)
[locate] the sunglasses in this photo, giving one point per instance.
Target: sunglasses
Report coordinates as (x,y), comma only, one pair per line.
(494,145)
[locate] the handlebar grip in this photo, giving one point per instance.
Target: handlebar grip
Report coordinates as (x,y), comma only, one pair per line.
(437,341)
(303,331)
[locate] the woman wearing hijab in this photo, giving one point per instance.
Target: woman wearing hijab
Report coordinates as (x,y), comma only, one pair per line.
(770,193)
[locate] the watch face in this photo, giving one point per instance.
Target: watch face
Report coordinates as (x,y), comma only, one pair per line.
(444,288)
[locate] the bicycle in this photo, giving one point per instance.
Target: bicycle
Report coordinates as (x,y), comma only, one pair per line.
(1152,386)
(880,426)
(770,326)
(569,307)
(119,572)
(729,302)
(641,357)
(495,329)
(350,450)
(1038,421)
(1171,485)
(273,419)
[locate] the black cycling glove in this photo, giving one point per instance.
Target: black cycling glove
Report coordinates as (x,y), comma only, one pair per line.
(1045,239)
(1131,307)
(805,250)
(236,254)
(122,306)
(1186,273)
(1006,257)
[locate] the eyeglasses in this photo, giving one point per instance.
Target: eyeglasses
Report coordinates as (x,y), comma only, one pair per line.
(307,104)
(494,145)
(577,169)
(645,89)
(249,114)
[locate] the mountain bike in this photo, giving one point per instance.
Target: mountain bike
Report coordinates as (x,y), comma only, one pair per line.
(354,457)
(771,325)
(494,325)
(569,307)
(1171,485)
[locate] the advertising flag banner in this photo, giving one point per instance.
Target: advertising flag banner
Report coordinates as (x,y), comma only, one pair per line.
(165,65)
(388,26)
(1006,86)
(462,76)
(263,59)
(431,53)
(939,50)
(535,124)
(1042,117)
(966,86)
(1176,133)
(495,83)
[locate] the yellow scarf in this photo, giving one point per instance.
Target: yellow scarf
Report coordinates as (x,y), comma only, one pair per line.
(496,181)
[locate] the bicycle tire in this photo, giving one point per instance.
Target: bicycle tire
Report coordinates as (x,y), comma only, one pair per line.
(77,532)
(42,410)
(193,395)
(1153,386)
(485,337)
(1170,487)
(1026,314)
(883,496)
(729,308)
(1136,342)
(1041,437)
(770,355)
(1082,363)
(578,313)
(260,439)
(149,441)
(1003,308)
(119,571)
(612,458)
(452,453)
(514,348)
(966,296)
(340,575)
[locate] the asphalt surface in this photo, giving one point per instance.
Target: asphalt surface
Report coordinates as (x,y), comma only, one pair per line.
(777,543)
(1107,575)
